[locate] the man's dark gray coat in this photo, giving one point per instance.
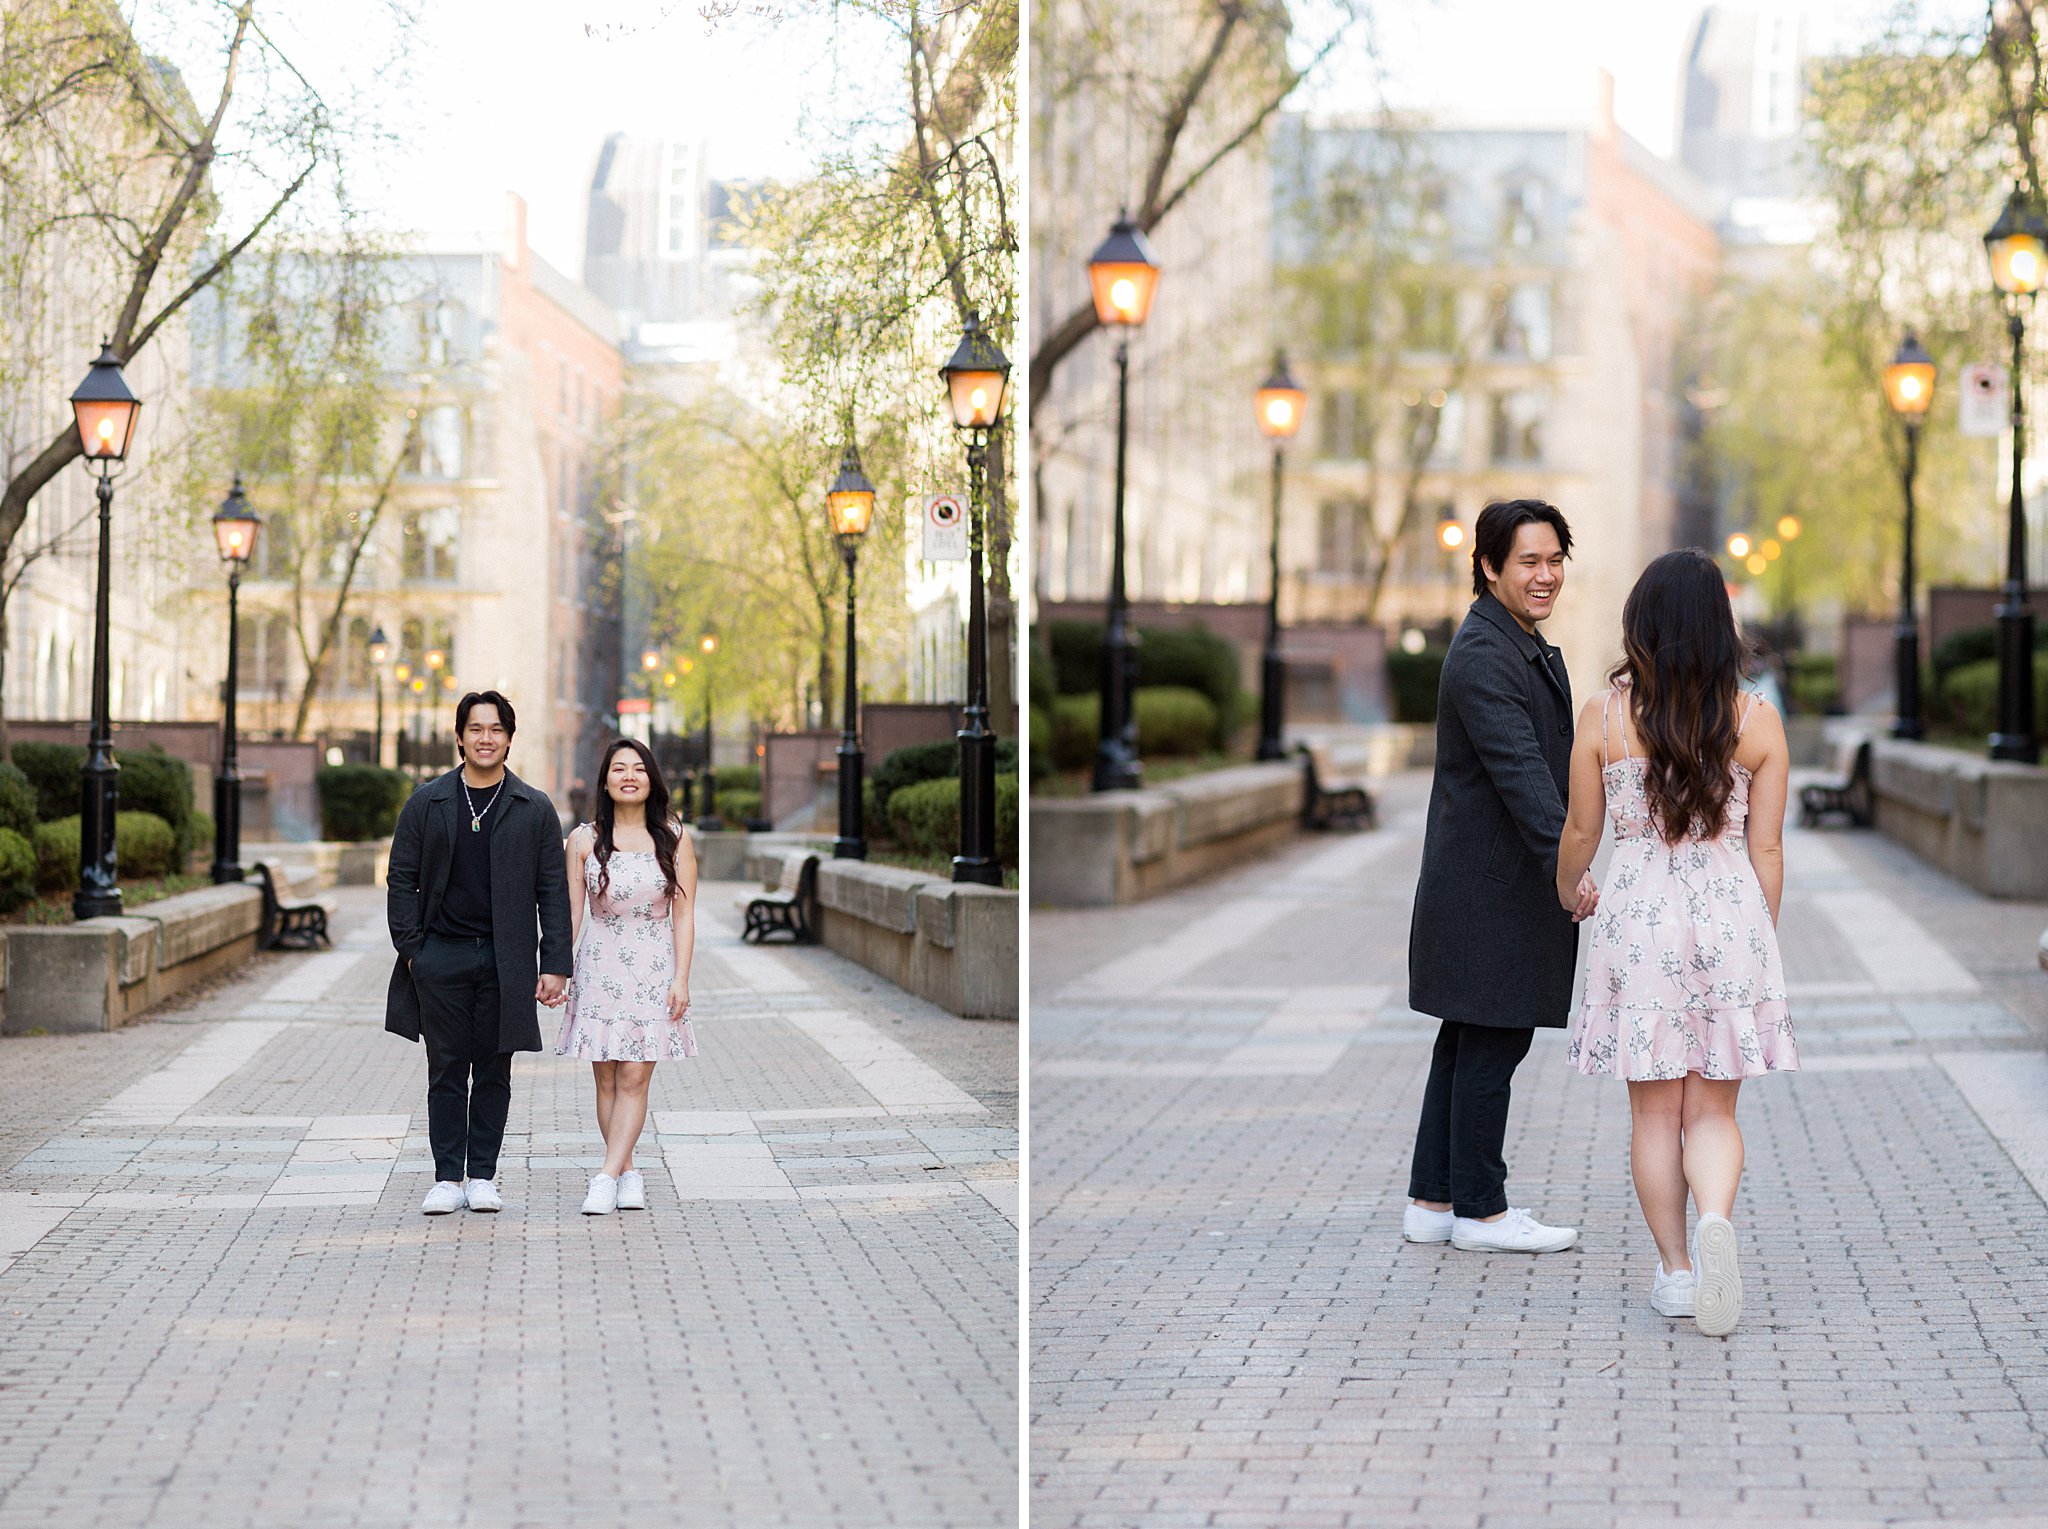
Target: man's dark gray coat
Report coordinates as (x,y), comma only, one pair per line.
(529,899)
(1489,944)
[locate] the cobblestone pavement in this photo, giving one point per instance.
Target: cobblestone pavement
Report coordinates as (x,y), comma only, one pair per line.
(1227,1328)
(220,1306)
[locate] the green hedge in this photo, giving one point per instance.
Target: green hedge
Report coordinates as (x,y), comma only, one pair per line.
(17,803)
(1968,700)
(151,781)
(1042,688)
(1075,650)
(1974,644)
(52,770)
(1041,742)
(17,870)
(919,762)
(1173,719)
(925,818)
(143,846)
(1192,658)
(360,801)
(1412,677)
(1815,683)
(737,804)
(738,777)
(1074,722)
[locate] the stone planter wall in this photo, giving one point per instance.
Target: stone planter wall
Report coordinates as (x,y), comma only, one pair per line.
(1983,821)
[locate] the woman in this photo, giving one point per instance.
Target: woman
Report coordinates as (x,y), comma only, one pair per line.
(1684,994)
(635,872)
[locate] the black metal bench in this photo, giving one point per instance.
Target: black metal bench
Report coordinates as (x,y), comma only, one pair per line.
(1849,794)
(287,924)
(787,909)
(1334,799)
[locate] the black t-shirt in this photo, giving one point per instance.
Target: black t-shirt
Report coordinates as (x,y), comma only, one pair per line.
(465,911)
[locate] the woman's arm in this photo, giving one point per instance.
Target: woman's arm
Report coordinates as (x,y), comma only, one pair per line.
(1580,840)
(683,921)
(573,853)
(1770,782)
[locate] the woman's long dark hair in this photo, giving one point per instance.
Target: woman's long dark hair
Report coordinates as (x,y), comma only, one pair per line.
(1684,661)
(659,824)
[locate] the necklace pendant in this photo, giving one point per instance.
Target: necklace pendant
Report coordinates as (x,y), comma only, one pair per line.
(476,825)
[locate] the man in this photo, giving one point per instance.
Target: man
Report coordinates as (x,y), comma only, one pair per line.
(1490,953)
(479,912)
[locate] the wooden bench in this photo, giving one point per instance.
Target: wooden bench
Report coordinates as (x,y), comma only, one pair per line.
(1849,793)
(788,907)
(290,924)
(1337,796)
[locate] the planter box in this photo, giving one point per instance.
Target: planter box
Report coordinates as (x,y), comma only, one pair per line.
(1121,846)
(1983,821)
(102,974)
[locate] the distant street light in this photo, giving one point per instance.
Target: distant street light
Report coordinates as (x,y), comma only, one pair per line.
(2018,246)
(977,378)
(1279,406)
(1124,278)
(849,503)
(1738,546)
(235,526)
(1450,535)
(380,654)
(709,821)
(1909,389)
(105,412)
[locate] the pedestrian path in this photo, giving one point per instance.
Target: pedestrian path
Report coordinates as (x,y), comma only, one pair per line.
(220,1305)
(1228,1330)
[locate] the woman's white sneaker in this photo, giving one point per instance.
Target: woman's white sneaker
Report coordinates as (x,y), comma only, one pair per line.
(442,1198)
(1720,1277)
(603,1198)
(1674,1295)
(483,1195)
(632,1190)
(1516,1232)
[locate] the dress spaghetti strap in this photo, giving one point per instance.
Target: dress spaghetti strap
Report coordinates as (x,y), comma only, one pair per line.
(1747,712)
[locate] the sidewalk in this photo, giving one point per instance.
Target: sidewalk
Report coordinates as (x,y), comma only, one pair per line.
(1228,1330)
(220,1306)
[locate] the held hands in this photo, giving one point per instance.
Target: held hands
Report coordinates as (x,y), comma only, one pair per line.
(678,999)
(552,990)
(1583,905)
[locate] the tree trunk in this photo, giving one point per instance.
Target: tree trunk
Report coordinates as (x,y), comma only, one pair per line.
(1002,605)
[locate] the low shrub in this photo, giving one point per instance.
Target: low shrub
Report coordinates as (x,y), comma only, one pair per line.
(1074,722)
(360,801)
(17,870)
(1006,819)
(1173,719)
(925,818)
(737,805)
(920,762)
(1197,659)
(1815,683)
(201,835)
(1041,742)
(1413,677)
(1042,688)
(52,770)
(1969,645)
(56,850)
(155,782)
(738,777)
(17,801)
(1968,700)
(143,845)
(1075,648)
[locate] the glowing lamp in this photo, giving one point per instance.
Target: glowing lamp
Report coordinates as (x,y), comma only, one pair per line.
(850,501)
(1450,535)
(1738,545)
(380,647)
(1123,275)
(105,409)
(1909,380)
(1280,401)
(2018,246)
(235,526)
(977,377)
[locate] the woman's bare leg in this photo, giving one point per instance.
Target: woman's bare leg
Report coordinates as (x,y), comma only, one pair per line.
(629,1114)
(1655,1154)
(606,1075)
(1713,1143)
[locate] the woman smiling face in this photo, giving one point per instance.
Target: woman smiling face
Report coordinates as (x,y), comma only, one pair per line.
(625,778)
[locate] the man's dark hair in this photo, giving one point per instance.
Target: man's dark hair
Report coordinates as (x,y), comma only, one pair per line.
(477,698)
(1493,538)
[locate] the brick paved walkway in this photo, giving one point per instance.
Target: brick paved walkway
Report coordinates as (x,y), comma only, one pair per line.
(220,1306)
(1228,1330)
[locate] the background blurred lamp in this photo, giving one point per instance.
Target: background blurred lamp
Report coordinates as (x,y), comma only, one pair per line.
(380,647)
(2018,246)
(1450,535)
(1123,276)
(105,409)
(1909,380)
(235,526)
(1280,400)
(650,660)
(1738,545)
(1788,528)
(850,501)
(976,377)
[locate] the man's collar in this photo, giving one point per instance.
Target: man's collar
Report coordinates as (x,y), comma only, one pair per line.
(1533,646)
(450,784)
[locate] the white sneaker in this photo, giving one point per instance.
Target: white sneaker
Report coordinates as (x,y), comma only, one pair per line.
(483,1195)
(1516,1232)
(1720,1278)
(441,1199)
(1422,1225)
(1674,1295)
(632,1190)
(603,1198)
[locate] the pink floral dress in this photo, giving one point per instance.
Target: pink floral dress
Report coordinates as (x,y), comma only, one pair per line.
(1682,973)
(625,961)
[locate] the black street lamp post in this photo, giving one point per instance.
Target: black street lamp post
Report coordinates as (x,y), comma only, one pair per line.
(1123,276)
(380,654)
(2018,246)
(977,377)
(1280,401)
(849,503)
(105,411)
(709,819)
(1909,389)
(234,532)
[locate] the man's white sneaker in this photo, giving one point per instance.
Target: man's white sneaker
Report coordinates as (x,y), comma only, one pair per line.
(1516,1232)
(603,1198)
(483,1195)
(1419,1224)
(1720,1278)
(1674,1295)
(632,1190)
(441,1199)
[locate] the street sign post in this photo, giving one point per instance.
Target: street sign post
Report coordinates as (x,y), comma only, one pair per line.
(1985,408)
(945,529)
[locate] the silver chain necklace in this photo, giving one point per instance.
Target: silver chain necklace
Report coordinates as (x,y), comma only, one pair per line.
(476,819)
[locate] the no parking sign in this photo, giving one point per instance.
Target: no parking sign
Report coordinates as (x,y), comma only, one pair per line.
(945,529)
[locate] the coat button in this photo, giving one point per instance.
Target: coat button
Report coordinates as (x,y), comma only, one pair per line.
(1564,729)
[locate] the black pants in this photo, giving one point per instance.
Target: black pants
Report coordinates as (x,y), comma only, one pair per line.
(469,1080)
(1465,1118)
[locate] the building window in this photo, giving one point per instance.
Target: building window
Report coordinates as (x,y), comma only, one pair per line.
(1343,537)
(1429,318)
(436,449)
(1517,426)
(1339,426)
(430,540)
(1436,427)
(1521,213)
(1521,325)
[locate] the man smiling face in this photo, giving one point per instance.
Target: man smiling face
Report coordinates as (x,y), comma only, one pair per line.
(1534,574)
